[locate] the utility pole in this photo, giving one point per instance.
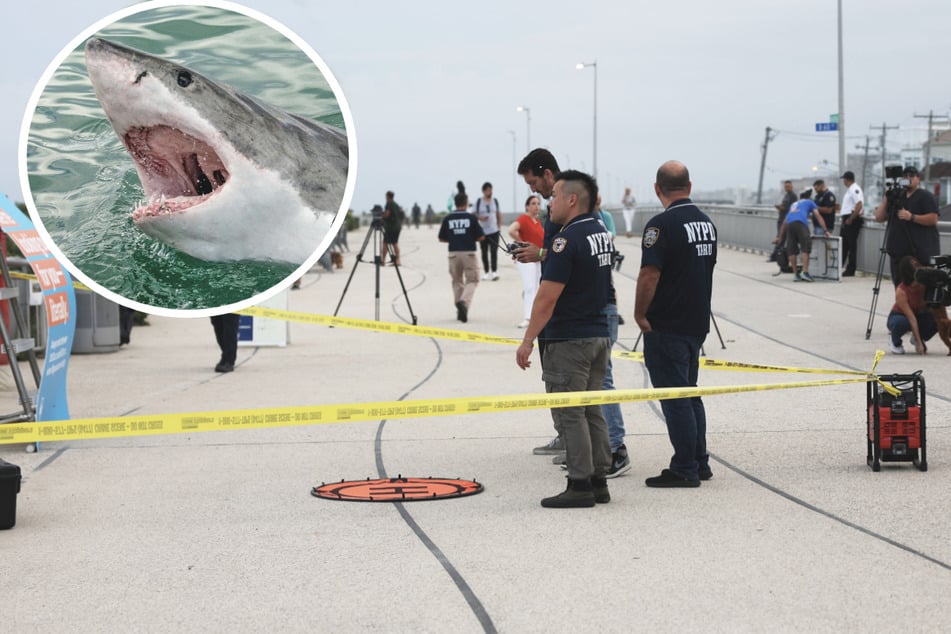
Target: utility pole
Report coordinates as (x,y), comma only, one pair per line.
(841,96)
(865,163)
(762,165)
(882,144)
(930,117)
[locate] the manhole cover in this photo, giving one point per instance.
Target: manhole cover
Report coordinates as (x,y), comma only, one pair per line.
(398,489)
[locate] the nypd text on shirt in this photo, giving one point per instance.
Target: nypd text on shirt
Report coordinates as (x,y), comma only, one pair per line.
(459,226)
(602,246)
(702,235)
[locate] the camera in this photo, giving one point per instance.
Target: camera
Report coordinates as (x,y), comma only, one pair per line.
(616,259)
(895,187)
(510,247)
(936,281)
(376,215)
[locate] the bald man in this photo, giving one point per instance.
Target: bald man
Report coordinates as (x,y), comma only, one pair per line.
(672,309)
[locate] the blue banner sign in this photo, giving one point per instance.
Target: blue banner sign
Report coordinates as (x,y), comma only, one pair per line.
(60,301)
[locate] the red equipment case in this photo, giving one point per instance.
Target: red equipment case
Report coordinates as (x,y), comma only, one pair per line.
(896,424)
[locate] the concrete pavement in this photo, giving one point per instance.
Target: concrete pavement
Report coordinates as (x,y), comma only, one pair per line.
(219,532)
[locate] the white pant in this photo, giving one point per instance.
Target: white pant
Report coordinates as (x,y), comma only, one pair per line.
(629,219)
(531,273)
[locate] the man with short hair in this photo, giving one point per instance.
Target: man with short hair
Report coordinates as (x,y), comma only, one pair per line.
(825,201)
(851,215)
(568,308)
(461,231)
(392,225)
(912,229)
(672,309)
(796,232)
(490,219)
(789,199)
(538,169)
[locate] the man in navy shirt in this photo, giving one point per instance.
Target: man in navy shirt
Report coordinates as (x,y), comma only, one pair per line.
(569,308)
(461,231)
(672,309)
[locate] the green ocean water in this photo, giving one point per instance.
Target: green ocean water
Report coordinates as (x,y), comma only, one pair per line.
(84,183)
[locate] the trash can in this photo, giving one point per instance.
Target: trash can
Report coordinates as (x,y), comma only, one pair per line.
(9,487)
(97,323)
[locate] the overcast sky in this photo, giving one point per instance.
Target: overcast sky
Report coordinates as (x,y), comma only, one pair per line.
(433,86)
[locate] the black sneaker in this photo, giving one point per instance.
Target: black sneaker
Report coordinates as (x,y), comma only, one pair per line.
(577,495)
(224,367)
(599,486)
(620,463)
(705,473)
(668,480)
(462,313)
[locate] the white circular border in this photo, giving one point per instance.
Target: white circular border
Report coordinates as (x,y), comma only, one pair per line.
(219,4)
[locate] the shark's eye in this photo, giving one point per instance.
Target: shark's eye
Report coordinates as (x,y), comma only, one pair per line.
(184,78)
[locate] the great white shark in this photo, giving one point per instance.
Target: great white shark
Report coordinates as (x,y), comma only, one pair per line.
(226,177)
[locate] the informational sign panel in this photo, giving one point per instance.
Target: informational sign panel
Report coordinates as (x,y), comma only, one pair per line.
(60,301)
(258,331)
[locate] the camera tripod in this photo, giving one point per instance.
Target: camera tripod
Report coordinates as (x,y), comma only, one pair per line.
(878,282)
(376,234)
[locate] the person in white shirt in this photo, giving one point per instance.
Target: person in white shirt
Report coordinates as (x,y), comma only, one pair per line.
(628,203)
(850,213)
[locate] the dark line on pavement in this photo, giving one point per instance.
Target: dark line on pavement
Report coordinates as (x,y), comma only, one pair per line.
(467,593)
(832,516)
(56,454)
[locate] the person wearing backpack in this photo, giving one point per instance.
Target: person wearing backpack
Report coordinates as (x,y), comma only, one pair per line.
(490,219)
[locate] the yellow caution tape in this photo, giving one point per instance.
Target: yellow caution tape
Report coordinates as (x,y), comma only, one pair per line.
(463,335)
(249,419)
(160,424)
(378,326)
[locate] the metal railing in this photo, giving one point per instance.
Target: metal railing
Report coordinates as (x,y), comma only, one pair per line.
(753,228)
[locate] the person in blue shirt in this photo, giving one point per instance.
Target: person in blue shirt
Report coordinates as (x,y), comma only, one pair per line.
(796,231)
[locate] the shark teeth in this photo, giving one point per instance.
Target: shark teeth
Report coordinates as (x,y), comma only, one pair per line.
(159,206)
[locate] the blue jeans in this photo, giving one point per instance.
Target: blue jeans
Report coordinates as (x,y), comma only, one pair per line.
(898,325)
(674,361)
(612,411)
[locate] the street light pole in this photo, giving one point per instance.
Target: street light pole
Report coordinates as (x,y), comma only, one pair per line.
(842,157)
(514,169)
(528,127)
(594,65)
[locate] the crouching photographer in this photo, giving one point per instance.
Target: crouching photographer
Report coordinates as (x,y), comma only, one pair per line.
(911,312)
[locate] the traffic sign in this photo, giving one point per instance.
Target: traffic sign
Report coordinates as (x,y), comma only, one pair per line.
(831,126)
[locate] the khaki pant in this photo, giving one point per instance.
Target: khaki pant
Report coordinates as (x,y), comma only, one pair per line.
(464,269)
(578,365)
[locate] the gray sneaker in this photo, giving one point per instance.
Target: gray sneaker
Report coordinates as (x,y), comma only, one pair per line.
(561,459)
(555,446)
(620,463)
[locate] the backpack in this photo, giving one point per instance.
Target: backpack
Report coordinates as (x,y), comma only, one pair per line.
(479,200)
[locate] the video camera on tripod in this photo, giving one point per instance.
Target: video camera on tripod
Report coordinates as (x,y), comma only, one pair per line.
(895,188)
(376,215)
(936,281)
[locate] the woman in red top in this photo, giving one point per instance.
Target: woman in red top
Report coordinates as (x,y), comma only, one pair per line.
(528,228)
(910,312)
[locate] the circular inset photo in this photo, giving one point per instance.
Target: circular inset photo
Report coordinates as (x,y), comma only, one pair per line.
(188,158)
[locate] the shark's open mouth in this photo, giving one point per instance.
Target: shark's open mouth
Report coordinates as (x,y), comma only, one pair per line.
(177,170)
